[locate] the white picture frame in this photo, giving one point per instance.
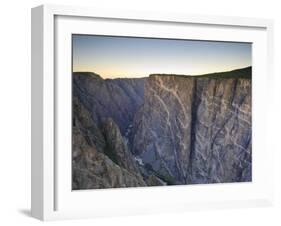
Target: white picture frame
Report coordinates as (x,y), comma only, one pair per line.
(52,197)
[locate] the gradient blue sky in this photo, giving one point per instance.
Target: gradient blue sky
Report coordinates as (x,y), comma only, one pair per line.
(113,57)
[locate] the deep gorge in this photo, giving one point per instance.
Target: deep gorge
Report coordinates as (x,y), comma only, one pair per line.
(161,130)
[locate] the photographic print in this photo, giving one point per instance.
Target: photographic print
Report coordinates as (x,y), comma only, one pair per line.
(158,112)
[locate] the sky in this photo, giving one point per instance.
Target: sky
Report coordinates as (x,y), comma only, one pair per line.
(117,57)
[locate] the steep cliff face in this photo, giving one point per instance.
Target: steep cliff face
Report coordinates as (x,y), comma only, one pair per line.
(117,149)
(195,130)
(164,129)
(163,126)
(91,166)
(109,98)
(221,150)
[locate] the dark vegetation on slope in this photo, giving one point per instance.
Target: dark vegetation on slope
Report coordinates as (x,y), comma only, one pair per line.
(245,73)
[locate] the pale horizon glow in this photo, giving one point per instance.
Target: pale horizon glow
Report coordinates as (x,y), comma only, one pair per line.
(117,57)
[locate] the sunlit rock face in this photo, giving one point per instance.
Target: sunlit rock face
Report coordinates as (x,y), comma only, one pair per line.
(161,130)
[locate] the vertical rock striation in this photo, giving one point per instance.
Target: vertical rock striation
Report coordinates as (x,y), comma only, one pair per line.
(196,129)
(222,131)
(163,126)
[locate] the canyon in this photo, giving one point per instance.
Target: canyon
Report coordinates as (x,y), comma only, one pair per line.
(164,129)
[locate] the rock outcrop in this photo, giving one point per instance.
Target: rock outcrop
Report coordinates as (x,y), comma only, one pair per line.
(117,149)
(161,130)
(91,167)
